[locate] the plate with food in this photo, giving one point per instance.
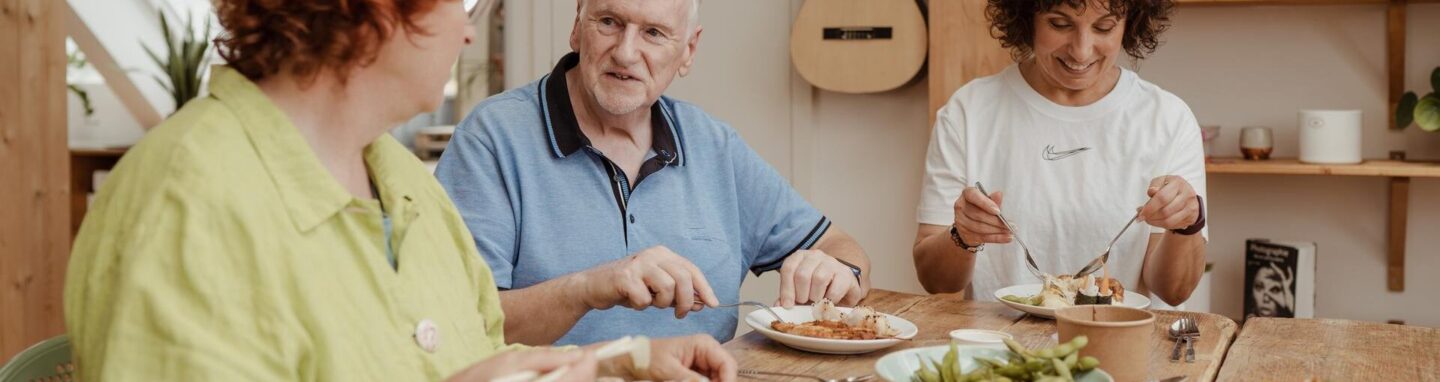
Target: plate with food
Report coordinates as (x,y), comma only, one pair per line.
(949,363)
(1065,291)
(826,328)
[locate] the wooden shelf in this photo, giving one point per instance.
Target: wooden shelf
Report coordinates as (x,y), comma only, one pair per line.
(1399,173)
(1379,167)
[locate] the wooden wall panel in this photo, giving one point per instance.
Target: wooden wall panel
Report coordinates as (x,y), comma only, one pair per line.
(961,48)
(34,172)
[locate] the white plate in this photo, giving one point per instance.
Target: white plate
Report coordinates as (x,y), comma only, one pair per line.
(1132,299)
(760,321)
(899,366)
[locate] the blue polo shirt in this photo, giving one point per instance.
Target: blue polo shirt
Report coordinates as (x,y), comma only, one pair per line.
(541,203)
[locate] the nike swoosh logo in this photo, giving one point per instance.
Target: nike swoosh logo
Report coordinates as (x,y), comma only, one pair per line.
(1051,155)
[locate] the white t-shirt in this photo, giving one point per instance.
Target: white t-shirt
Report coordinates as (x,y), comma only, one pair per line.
(1071,176)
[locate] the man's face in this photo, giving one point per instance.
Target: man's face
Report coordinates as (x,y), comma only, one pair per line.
(630,50)
(1268,292)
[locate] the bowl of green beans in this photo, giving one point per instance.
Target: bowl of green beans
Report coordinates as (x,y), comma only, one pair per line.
(965,363)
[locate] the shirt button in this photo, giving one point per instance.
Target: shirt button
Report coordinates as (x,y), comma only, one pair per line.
(427,335)
(632,219)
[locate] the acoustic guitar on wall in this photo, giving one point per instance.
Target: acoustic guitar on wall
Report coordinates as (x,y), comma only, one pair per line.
(859,46)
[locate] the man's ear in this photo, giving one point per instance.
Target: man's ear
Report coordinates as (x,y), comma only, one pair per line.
(575,29)
(575,36)
(690,49)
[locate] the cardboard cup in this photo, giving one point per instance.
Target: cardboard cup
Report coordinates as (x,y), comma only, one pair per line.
(1120,337)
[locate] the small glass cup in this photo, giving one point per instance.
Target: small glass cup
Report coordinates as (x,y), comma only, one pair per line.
(1208,133)
(1256,142)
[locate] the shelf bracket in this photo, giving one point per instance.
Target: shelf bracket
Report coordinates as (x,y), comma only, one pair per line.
(1399,208)
(1395,56)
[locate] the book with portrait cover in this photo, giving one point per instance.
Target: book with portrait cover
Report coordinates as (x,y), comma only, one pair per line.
(1279,279)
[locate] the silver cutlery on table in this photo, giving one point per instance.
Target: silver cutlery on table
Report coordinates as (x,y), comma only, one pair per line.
(1192,334)
(1177,333)
(1029,261)
(758,373)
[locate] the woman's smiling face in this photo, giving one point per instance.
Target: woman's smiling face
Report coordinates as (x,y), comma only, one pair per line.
(1075,48)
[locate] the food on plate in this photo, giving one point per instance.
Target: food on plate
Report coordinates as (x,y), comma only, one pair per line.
(1059,363)
(862,323)
(1065,290)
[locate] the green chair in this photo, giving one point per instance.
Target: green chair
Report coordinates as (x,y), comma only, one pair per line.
(46,361)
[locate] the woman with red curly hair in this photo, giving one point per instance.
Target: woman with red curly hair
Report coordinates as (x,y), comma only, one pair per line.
(1075,146)
(273,231)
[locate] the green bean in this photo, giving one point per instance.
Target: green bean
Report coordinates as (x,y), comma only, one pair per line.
(1045,353)
(952,364)
(1012,371)
(925,374)
(1034,365)
(1017,348)
(1062,350)
(1060,368)
(1056,363)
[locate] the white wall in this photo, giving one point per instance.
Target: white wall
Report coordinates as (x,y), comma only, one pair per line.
(1259,66)
(858,157)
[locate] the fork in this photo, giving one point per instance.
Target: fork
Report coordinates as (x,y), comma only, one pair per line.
(1191,331)
(754,304)
(1030,261)
(758,373)
(1099,261)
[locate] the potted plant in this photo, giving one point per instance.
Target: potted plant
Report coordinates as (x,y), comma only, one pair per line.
(1423,111)
(76,61)
(184,62)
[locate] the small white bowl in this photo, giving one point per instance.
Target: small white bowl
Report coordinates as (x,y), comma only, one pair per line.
(980,337)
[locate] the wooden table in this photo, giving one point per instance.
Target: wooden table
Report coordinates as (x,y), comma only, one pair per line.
(1280,349)
(937,315)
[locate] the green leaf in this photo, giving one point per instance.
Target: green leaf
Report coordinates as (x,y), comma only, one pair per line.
(1435,80)
(1405,110)
(165,85)
(1427,113)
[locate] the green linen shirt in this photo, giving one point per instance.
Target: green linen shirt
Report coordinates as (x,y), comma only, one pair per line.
(220,249)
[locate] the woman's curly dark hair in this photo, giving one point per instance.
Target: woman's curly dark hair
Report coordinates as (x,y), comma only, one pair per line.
(304,37)
(1013,22)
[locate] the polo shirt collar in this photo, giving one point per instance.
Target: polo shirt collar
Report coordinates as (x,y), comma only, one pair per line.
(563,127)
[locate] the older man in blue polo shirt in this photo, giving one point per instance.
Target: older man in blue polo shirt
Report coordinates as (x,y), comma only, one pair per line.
(588,189)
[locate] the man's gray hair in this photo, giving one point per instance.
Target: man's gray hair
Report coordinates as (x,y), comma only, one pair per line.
(694,14)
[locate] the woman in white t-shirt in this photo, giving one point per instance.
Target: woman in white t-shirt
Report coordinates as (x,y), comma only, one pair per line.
(1072,146)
